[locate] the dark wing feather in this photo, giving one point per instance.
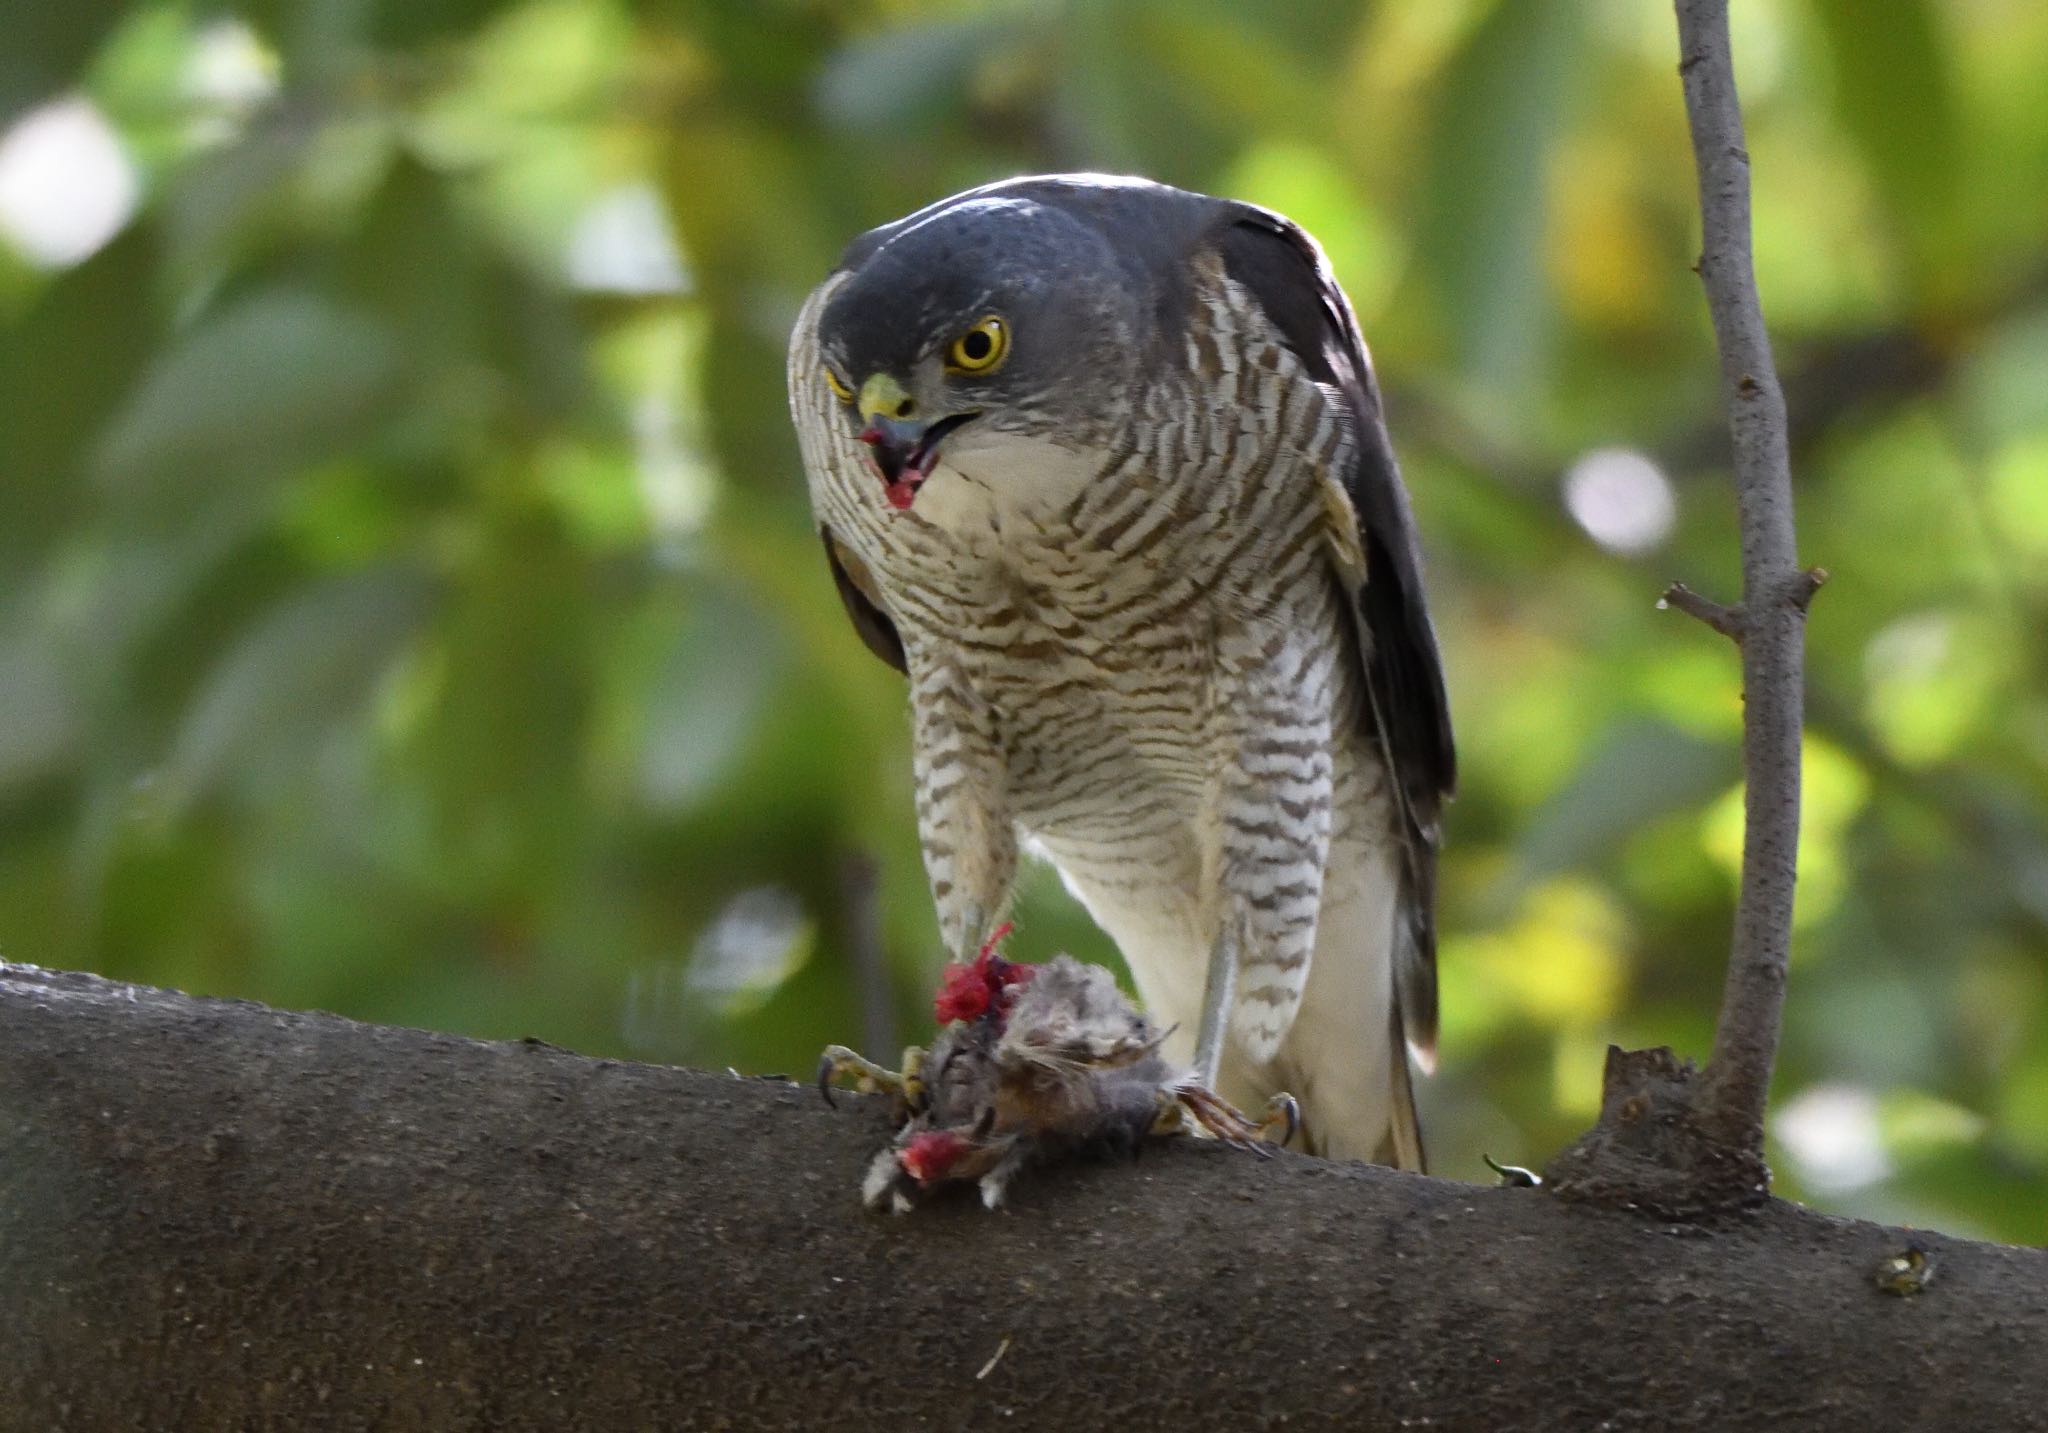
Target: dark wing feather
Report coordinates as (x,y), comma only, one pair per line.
(1284,270)
(857,595)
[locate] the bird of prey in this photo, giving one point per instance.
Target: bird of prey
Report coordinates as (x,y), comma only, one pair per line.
(1099,464)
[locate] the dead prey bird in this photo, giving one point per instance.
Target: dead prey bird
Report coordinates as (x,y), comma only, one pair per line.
(1034,1063)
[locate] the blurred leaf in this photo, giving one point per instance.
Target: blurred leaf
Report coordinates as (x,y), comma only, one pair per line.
(1916,1123)
(275,380)
(1273,85)
(1894,94)
(413,22)
(1636,774)
(908,75)
(1834,789)
(2001,378)
(504,705)
(1498,109)
(1577,1063)
(47,46)
(705,698)
(1930,683)
(2023,1104)
(1560,963)
(63,368)
(312,662)
(40,712)
(2017,496)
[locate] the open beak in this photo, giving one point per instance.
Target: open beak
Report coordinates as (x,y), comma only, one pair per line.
(905,452)
(904,449)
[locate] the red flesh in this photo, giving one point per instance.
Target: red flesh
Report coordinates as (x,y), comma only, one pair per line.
(968,992)
(929,1155)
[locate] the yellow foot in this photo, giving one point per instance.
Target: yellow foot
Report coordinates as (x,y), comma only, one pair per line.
(1281,1120)
(1171,1117)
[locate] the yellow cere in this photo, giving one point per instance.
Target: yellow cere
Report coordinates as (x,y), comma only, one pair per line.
(979,349)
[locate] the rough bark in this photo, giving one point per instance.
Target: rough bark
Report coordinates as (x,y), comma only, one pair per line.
(219,1216)
(1775,590)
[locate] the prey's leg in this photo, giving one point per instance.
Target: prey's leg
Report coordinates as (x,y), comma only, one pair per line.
(907,1084)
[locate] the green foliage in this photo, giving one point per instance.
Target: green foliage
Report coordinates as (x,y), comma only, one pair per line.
(408,603)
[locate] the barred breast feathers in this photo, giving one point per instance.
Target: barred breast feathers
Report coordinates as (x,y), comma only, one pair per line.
(1160,607)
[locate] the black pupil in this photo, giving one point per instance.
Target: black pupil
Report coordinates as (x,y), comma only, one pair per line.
(976,346)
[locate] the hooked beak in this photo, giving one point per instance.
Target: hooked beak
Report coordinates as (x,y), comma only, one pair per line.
(904,448)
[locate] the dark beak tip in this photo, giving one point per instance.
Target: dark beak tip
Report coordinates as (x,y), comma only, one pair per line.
(900,446)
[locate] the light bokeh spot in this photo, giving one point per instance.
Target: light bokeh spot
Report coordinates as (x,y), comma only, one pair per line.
(1833,1134)
(1930,682)
(66,184)
(623,243)
(1622,499)
(229,74)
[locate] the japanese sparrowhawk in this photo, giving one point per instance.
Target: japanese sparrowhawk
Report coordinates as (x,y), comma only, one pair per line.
(1100,465)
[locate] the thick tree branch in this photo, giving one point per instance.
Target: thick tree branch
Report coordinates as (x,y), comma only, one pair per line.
(215,1215)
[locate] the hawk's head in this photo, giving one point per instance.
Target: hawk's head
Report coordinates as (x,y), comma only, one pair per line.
(997,321)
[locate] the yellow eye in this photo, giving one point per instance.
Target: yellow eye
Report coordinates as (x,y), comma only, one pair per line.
(838,386)
(979,349)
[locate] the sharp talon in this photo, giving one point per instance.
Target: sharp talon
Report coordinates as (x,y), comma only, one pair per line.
(1287,1110)
(1513,1176)
(827,1068)
(1227,1123)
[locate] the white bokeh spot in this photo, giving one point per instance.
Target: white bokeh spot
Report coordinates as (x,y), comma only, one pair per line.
(228,75)
(66,184)
(623,243)
(1833,1134)
(1622,499)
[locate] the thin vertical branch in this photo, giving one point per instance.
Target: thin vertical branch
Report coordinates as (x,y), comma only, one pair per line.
(1775,590)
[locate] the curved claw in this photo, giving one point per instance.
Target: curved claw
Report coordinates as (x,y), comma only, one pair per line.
(1284,1108)
(905,1084)
(1280,1123)
(1513,1176)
